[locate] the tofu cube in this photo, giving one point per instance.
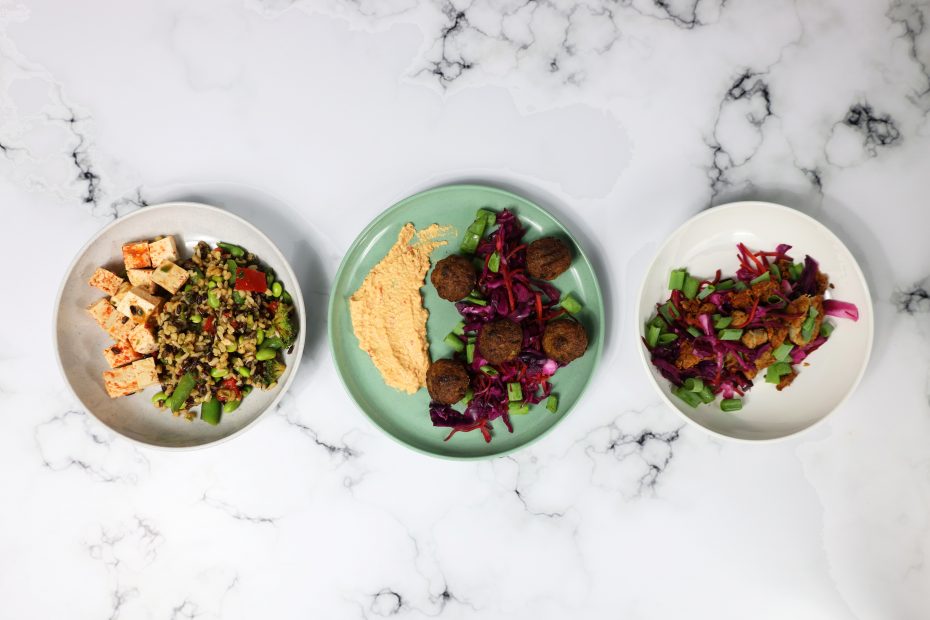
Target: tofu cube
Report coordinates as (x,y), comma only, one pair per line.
(138,305)
(146,374)
(170,276)
(120,327)
(102,312)
(136,255)
(120,354)
(142,278)
(162,250)
(105,280)
(120,382)
(124,288)
(142,340)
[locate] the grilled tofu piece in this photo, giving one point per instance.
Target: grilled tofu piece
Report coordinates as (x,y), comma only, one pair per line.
(105,280)
(146,374)
(164,249)
(142,339)
(170,277)
(120,382)
(143,279)
(136,255)
(120,354)
(138,305)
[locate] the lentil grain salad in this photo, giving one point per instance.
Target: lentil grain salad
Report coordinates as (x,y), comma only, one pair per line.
(220,334)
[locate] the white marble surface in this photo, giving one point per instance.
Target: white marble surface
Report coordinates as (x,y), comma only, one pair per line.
(625,118)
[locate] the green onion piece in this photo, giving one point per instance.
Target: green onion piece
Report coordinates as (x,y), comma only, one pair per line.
(693,384)
(216,373)
(731,404)
(807,328)
(469,394)
(765,277)
(489,370)
(658,321)
(454,342)
(706,291)
(775,299)
(210,412)
(571,305)
(676,279)
(776,371)
(725,285)
(157,398)
(667,338)
(459,329)
(489,217)
(690,287)
(494,262)
(181,391)
(245,372)
(475,300)
(707,395)
(669,312)
(730,334)
(795,270)
(474,232)
(826,329)
(688,396)
(265,354)
(231,405)
(652,336)
(740,286)
(722,322)
(470,352)
(694,331)
(775,271)
(518,409)
(514,392)
(235,250)
(782,351)
(552,403)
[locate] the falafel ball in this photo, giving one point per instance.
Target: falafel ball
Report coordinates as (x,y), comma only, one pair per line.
(548,258)
(565,340)
(500,341)
(454,277)
(447,381)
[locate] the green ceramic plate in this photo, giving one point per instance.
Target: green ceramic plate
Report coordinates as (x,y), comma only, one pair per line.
(405,417)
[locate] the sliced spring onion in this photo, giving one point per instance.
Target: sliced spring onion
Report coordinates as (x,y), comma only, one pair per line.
(731,404)
(725,285)
(706,291)
(782,351)
(459,328)
(826,329)
(706,394)
(470,352)
(667,338)
(652,336)
(571,305)
(730,334)
(474,232)
(688,396)
(693,384)
(676,279)
(514,392)
(210,411)
(552,403)
(775,271)
(454,342)
(776,371)
(765,277)
(489,370)
(775,299)
(690,287)
(469,394)
(472,299)
(723,321)
(658,321)
(740,286)
(518,409)
(490,218)
(694,331)
(669,312)
(494,262)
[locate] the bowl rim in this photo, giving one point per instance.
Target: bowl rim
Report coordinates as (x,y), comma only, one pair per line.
(777,208)
(297,296)
(601,308)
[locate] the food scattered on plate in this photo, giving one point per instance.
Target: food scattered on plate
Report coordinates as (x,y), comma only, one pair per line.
(388,316)
(208,329)
(516,329)
(714,336)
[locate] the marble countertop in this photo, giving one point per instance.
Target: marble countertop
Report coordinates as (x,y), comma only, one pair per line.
(625,118)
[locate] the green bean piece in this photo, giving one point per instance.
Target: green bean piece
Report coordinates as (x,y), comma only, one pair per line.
(213,299)
(246,390)
(230,406)
(183,389)
(265,354)
(235,250)
(217,373)
(210,412)
(286,297)
(157,398)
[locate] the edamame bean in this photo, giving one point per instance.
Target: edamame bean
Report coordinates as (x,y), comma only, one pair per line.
(213,299)
(265,354)
(231,348)
(245,372)
(259,336)
(277,289)
(216,373)
(196,318)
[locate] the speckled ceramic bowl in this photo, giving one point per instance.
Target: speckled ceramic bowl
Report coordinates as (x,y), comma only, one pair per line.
(80,341)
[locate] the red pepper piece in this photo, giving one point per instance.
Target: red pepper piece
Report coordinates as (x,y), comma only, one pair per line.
(250,280)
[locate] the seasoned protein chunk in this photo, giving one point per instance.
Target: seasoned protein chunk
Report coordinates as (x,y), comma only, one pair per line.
(800,307)
(102,312)
(120,382)
(755,337)
(170,276)
(142,339)
(162,250)
(136,255)
(124,288)
(146,374)
(105,280)
(120,354)
(138,305)
(142,278)
(120,327)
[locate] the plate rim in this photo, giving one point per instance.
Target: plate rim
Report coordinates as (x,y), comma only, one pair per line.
(343,265)
(298,351)
(775,207)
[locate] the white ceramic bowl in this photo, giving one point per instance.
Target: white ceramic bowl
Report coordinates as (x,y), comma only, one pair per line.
(707,242)
(80,342)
